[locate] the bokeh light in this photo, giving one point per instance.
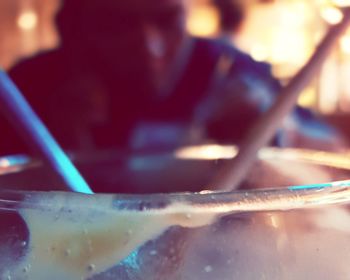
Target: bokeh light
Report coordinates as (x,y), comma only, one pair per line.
(27,20)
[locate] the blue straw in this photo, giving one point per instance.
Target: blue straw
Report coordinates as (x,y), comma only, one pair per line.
(33,130)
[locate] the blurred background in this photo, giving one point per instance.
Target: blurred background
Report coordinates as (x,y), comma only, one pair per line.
(283,33)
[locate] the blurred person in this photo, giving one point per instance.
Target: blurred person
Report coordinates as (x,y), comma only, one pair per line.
(232,14)
(127,75)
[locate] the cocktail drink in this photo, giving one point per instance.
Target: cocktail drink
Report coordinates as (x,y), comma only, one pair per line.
(295,232)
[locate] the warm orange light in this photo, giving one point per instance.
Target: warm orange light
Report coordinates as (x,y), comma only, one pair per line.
(203,21)
(259,53)
(345,44)
(329,86)
(331,14)
(341,3)
(308,97)
(206,152)
(27,20)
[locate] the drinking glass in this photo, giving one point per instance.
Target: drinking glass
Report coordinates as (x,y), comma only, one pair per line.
(285,232)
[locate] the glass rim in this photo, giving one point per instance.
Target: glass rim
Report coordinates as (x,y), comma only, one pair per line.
(258,199)
(237,201)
